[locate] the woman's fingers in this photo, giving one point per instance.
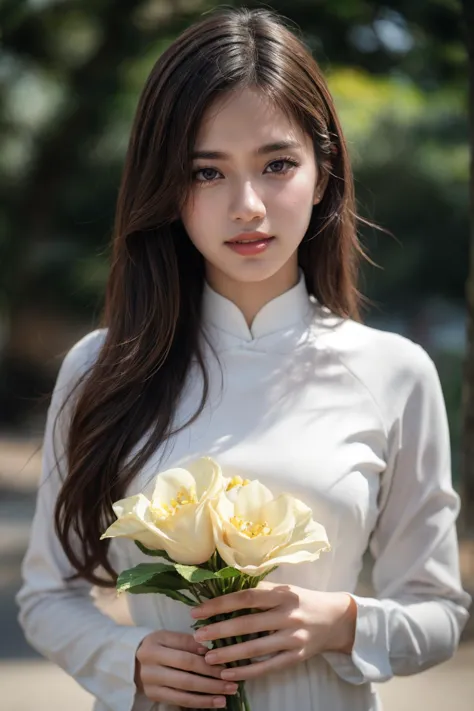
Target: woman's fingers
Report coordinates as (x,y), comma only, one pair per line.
(185,662)
(184,681)
(176,640)
(174,697)
(246,624)
(270,644)
(251,671)
(171,671)
(263,598)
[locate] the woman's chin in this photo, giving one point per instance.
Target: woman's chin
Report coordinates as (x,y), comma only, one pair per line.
(250,270)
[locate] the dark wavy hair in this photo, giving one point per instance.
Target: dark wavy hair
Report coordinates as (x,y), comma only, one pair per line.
(155,284)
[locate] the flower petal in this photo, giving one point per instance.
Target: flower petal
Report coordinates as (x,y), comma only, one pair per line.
(169,482)
(208,477)
(249,551)
(280,516)
(234,546)
(302,555)
(137,505)
(309,538)
(250,501)
(186,527)
(131,522)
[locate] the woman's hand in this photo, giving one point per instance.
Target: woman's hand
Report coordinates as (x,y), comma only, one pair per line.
(302,623)
(170,668)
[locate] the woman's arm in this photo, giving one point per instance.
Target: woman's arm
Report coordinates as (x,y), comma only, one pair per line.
(420,609)
(59,618)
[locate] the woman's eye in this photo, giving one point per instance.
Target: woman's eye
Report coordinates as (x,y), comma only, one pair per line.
(279,167)
(208,175)
(283,165)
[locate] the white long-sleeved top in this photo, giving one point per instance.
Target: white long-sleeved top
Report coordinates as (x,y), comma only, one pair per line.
(348,418)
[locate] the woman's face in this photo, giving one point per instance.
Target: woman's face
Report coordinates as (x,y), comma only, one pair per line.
(243,184)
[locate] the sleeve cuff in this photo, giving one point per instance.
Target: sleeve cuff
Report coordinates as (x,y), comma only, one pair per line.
(117,673)
(369,660)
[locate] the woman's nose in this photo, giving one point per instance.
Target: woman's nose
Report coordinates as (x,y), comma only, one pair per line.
(246,204)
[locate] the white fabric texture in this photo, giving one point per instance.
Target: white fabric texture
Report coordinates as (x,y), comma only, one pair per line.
(349,419)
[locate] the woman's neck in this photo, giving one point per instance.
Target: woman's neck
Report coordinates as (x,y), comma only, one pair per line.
(251,296)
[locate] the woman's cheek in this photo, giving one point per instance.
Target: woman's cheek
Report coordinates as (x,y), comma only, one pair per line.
(300,190)
(197,220)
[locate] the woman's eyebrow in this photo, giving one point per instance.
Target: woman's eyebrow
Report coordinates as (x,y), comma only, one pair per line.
(263,150)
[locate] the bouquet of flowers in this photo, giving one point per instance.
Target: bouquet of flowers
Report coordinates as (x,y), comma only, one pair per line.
(217,536)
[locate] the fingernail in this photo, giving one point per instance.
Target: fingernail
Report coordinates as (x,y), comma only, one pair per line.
(227,674)
(233,688)
(211,657)
(196,612)
(202,650)
(219,703)
(200,635)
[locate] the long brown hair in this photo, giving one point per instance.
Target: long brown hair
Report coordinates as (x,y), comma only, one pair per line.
(154,289)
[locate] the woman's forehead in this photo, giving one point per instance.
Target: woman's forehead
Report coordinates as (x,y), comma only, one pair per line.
(248,118)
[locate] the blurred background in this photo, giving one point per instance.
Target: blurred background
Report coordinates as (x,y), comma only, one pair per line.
(70,75)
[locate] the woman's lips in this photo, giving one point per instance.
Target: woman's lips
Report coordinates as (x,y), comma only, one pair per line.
(251,245)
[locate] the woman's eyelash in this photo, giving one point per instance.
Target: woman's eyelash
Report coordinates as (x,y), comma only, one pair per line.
(283,159)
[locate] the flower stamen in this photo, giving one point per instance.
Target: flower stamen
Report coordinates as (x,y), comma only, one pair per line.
(183,498)
(250,529)
(237,481)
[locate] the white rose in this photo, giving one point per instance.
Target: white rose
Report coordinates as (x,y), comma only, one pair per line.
(177,519)
(254,531)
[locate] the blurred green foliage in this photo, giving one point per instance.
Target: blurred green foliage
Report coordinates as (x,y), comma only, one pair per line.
(70,75)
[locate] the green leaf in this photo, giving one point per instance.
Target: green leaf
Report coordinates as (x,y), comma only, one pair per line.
(160,575)
(152,551)
(229,573)
(173,594)
(194,574)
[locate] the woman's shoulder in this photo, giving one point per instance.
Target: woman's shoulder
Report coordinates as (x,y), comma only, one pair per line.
(79,358)
(85,351)
(390,365)
(392,350)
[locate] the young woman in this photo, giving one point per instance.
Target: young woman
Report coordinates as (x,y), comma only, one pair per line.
(232,329)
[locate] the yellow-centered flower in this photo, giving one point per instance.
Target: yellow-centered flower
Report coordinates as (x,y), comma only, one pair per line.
(254,531)
(183,497)
(177,518)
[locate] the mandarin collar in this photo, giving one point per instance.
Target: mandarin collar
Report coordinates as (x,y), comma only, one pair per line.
(283,313)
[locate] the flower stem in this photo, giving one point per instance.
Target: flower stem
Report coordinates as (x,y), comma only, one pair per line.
(244,697)
(239,701)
